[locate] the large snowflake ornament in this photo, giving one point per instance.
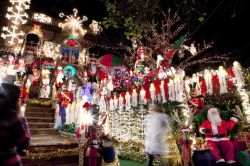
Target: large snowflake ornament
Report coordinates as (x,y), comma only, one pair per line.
(13,34)
(73,23)
(16,13)
(17,16)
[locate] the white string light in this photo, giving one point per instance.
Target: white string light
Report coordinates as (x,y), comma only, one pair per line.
(95,27)
(40,17)
(51,50)
(245,101)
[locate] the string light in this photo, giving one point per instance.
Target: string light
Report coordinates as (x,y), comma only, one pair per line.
(95,27)
(245,101)
(73,23)
(42,18)
(51,50)
(17,16)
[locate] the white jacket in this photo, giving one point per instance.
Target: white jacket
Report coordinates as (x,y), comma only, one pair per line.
(155,130)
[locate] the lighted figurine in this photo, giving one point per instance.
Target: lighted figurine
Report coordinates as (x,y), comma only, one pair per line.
(141,53)
(46,88)
(11,71)
(171,90)
(216,136)
(152,92)
(196,102)
(163,94)
(178,86)
(128,100)
(238,74)
(222,75)
(59,75)
(208,80)
(134,98)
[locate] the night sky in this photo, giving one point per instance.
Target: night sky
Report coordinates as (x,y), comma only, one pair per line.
(228,27)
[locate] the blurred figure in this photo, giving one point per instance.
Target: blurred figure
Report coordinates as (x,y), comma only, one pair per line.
(157,124)
(14,133)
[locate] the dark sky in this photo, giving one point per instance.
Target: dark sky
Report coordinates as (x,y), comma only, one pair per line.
(228,27)
(94,9)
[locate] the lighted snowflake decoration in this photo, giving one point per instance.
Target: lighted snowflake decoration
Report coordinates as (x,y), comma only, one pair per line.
(13,34)
(16,13)
(73,23)
(95,27)
(17,16)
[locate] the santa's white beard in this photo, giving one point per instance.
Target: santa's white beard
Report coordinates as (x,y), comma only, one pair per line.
(215,119)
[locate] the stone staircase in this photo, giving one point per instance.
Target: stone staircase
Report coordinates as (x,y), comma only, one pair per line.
(47,145)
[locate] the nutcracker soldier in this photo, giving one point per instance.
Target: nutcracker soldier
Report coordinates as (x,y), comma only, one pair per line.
(93,156)
(196,102)
(64,97)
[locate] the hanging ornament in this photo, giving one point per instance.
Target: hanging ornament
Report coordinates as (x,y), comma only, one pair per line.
(193,50)
(159,60)
(141,53)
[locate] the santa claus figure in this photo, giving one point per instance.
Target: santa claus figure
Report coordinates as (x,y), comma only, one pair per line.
(215,130)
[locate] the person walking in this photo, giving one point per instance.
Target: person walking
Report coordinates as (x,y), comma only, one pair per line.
(157,124)
(14,132)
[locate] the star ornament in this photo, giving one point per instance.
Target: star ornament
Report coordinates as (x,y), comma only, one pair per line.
(73,24)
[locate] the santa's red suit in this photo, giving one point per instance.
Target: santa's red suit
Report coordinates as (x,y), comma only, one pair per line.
(215,130)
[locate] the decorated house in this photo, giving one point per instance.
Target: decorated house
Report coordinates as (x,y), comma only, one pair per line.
(85,103)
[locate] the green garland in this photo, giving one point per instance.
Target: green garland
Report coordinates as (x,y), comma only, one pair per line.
(68,128)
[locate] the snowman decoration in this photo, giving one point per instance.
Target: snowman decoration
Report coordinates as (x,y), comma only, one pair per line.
(45,90)
(11,66)
(60,75)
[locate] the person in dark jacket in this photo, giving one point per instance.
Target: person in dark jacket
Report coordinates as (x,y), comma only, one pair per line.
(14,132)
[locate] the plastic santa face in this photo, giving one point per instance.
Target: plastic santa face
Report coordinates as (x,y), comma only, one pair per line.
(214,116)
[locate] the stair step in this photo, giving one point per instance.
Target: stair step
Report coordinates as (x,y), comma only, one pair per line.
(40,109)
(67,160)
(40,119)
(40,114)
(50,148)
(40,125)
(43,131)
(38,105)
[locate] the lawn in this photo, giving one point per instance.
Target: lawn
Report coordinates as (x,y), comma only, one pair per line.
(130,163)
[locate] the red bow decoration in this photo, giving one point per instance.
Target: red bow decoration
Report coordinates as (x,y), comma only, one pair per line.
(86,105)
